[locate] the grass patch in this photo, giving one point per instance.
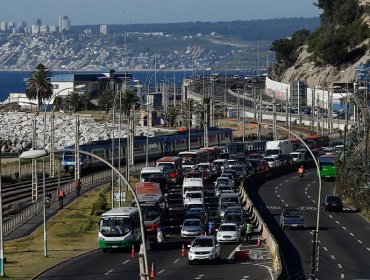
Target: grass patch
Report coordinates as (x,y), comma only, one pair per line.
(71,232)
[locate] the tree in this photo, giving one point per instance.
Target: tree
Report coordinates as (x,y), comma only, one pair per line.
(171,115)
(129,100)
(106,100)
(73,101)
(39,86)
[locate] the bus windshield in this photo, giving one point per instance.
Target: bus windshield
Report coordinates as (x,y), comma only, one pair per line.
(189,160)
(115,226)
(150,212)
(168,167)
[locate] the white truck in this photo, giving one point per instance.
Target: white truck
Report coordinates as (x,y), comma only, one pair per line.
(279,147)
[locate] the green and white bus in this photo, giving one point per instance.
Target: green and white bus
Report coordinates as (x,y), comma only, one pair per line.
(119,228)
(327,166)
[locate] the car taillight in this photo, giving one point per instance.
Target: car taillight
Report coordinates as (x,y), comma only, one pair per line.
(173,175)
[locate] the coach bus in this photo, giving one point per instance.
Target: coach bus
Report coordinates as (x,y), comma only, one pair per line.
(327,167)
(172,167)
(316,141)
(191,158)
(119,228)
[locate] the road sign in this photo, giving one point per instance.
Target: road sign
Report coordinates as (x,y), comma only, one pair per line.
(123,196)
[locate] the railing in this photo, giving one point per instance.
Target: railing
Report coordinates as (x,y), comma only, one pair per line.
(37,207)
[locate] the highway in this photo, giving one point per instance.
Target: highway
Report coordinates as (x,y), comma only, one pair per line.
(344,236)
(166,257)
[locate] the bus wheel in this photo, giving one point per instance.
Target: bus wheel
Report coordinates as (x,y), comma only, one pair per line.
(105,250)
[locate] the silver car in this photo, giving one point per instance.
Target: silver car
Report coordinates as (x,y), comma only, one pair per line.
(192,228)
(228,232)
(235,218)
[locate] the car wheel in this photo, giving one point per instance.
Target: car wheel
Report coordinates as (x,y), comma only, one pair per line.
(190,262)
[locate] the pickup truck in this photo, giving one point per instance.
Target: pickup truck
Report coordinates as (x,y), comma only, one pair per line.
(292,218)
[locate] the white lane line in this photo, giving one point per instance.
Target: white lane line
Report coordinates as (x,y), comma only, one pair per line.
(337,222)
(359,241)
(331,216)
(339,265)
(282,201)
(278,195)
(175,261)
(313,201)
(305,193)
(275,191)
(332,256)
(306,189)
(201,275)
(342,276)
(126,261)
(309,197)
(109,272)
(161,271)
(368,249)
(231,256)
(286,205)
(344,228)
(351,234)
(326,249)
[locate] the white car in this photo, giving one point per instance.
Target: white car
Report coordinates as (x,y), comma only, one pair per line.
(228,232)
(204,248)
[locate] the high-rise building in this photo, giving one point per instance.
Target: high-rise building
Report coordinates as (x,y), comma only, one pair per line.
(3,26)
(104,29)
(35,29)
(44,29)
(53,28)
(64,23)
(37,22)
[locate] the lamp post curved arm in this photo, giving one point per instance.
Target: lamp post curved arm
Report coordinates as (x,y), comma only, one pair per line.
(40,153)
(315,237)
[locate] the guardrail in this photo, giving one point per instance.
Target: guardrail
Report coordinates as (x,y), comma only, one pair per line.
(37,207)
(253,180)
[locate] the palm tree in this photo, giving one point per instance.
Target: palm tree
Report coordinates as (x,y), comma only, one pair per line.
(106,100)
(170,116)
(73,101)
(129,100)
(85,100)
(39,86)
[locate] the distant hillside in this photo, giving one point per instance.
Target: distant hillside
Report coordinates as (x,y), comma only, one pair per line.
(271,29)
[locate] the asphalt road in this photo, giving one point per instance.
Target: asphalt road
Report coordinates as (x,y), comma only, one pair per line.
(167,260)
(344,236)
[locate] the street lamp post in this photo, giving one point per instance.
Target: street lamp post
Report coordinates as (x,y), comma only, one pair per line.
(2,271)
(315,237)
(40,153)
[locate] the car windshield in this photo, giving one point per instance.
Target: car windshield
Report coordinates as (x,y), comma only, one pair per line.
(203,167)
(223,181)
(230,200)
(194,195)
(233,218)
(227,228)
(203,243)
(167,167)
(192,223)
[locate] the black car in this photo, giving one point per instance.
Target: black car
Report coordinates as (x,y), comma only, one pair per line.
(332,203)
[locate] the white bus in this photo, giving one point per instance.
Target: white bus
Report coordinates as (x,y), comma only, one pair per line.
(119,228)
(191,158)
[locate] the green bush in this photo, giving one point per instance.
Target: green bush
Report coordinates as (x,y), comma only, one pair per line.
(100,206)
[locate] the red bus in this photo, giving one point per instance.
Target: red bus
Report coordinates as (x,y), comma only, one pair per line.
(172,166)
(316,141)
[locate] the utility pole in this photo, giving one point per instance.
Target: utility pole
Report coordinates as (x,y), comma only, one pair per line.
(34,161)
(77,147)
(274,117)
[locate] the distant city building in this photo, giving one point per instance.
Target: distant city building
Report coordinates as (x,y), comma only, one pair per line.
(3,26)
(44,29)
(88,31)
(104,29)
(37,22)
(11,25)
(35,29)
(53,28)
(64,23)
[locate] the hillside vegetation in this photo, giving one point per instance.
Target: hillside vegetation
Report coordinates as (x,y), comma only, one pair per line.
(339,41)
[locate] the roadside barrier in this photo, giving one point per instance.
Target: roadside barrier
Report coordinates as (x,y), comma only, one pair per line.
(37,207)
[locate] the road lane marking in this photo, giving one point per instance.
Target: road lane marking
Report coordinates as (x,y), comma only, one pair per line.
(286,205)
(278,195)
(359,241)
(231,256)
(305,193)
(109,272)
(161,271)
(126,261)
(332,256)
(351,234)
(339,265)
(326,249)
(282,201)
(342,276)
(337,222)
(175,261)
(309,197)
(344,228)
(313,201)
(331,216)
(306,189)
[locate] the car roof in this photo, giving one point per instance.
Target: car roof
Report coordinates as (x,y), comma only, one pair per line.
(228,224)
(192,220)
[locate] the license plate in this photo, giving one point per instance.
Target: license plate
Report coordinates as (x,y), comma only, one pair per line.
(294,225)
(114,246)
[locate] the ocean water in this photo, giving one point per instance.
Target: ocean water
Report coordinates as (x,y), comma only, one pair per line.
(14,81)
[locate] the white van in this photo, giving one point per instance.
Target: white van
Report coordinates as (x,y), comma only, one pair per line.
(297,156)
(146,172)
(222,163)
(192,184)
(193,199)
(272,161)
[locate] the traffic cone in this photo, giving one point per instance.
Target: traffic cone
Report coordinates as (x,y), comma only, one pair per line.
(152,271)
(183,251)
(132,251)
(259,241)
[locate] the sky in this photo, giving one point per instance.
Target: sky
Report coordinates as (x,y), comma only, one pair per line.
(82,12)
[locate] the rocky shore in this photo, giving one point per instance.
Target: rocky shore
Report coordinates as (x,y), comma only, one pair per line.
(16,131)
